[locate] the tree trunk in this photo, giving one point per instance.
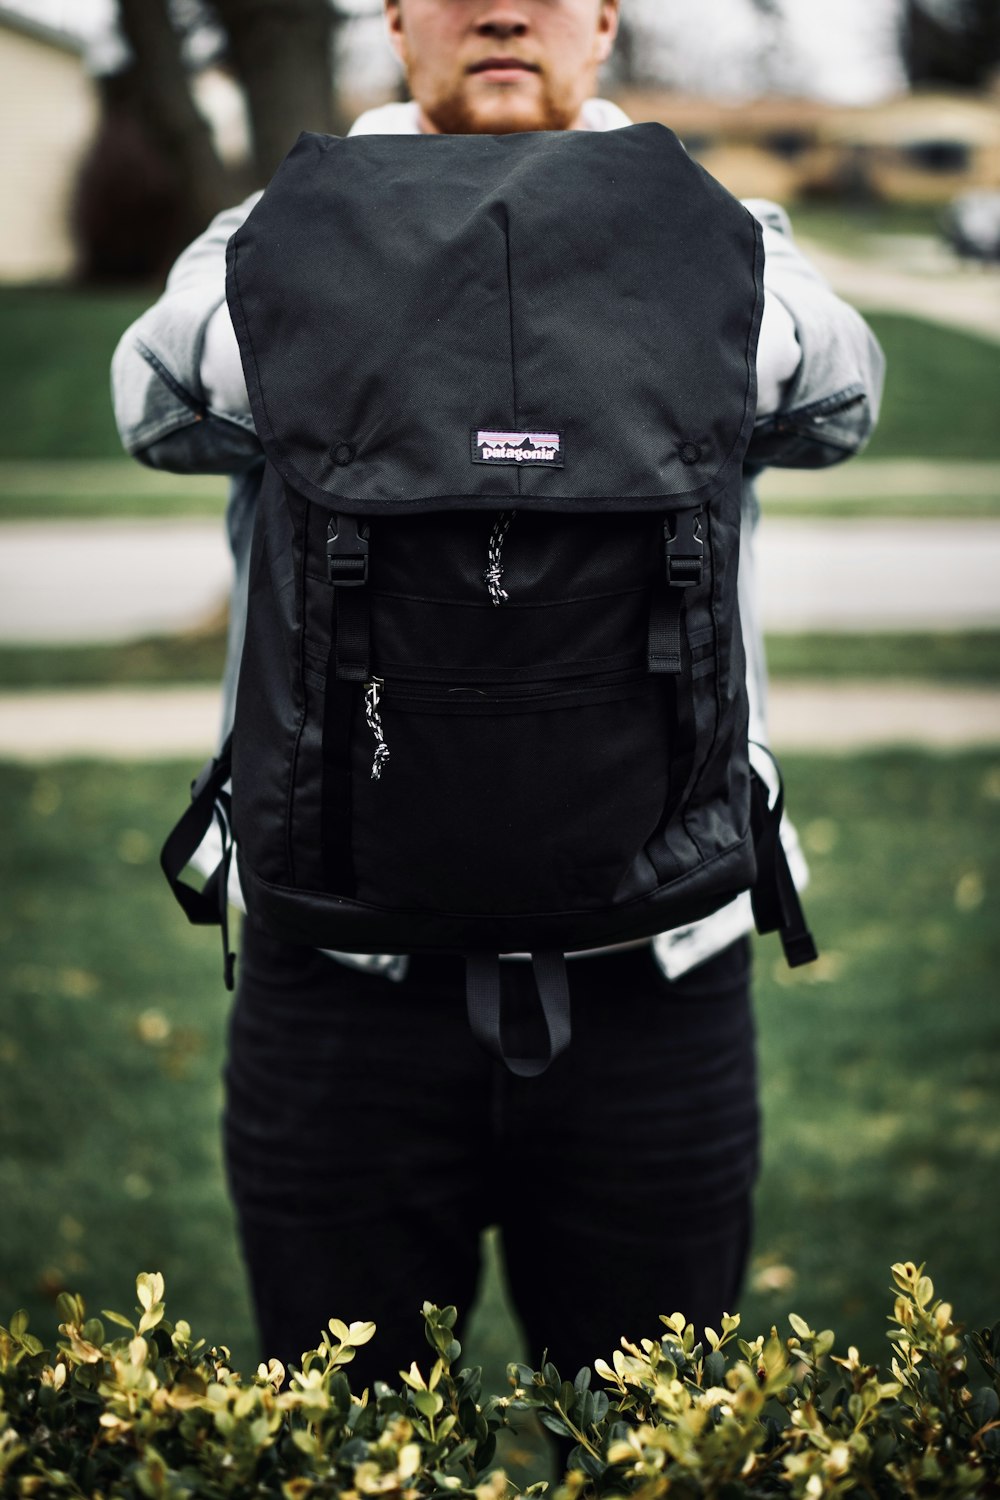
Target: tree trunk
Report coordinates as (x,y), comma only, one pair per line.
(169,111)
(281,51)
(960,49)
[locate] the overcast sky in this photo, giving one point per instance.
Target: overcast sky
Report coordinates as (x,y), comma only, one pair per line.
(838,49)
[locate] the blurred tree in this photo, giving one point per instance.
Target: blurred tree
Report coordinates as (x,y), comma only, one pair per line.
(154,178)
(282,53)
(166,107)
(952,42)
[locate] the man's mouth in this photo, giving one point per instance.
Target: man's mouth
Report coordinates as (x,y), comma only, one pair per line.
(503,65)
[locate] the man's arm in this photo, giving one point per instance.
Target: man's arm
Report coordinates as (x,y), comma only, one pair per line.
(829,406)
(168,416)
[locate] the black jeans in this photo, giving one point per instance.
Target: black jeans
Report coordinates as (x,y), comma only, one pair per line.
(368,1141)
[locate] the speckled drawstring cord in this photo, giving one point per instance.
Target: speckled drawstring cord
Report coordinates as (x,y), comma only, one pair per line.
(494,567)
(372,691)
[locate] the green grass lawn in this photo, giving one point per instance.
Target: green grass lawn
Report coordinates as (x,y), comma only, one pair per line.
(55,354)
(940,394)
(74,489)
(879,1063)
(846,226)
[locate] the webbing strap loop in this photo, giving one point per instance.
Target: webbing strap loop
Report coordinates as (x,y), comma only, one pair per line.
(664,651)
(484,1006)
(210,802)
(775,901)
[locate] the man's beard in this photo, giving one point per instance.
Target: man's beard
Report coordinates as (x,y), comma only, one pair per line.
(456,114)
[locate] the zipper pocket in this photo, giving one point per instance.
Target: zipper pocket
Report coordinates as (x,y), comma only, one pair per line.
(411,695)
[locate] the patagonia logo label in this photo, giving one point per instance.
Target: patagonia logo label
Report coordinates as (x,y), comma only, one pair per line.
(529,449)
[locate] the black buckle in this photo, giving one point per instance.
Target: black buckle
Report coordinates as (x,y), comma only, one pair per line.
(685,549)
(347,551)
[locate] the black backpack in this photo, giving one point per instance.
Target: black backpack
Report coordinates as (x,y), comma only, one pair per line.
(492,695)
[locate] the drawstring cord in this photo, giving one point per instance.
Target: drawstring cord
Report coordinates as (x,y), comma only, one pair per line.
(374,718)
(494,568)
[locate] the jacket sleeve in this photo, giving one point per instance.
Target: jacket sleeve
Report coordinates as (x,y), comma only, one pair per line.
(829,408)
(165,417)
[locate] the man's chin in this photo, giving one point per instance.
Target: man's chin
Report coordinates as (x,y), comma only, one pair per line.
(498,110)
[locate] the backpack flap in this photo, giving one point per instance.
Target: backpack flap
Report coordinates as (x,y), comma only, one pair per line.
(565,320)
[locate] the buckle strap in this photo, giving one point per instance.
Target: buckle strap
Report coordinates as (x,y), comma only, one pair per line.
(347,554)
(347,551)
(484,1006)
(684,548)
(684,568)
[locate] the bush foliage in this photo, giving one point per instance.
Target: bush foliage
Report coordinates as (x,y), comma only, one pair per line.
(152,1412)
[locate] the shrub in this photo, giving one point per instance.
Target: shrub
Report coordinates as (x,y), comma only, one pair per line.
(153,1413)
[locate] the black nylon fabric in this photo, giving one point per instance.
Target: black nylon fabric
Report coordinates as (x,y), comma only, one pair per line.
(392,294)
(535,787)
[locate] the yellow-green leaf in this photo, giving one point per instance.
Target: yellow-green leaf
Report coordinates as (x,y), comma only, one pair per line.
(149,1288)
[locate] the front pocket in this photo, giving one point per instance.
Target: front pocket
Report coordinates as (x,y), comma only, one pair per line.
(514,799)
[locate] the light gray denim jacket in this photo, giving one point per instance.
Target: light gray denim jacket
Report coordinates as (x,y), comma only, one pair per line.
(827,413)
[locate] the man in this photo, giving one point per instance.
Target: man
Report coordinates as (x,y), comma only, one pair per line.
(368,1140)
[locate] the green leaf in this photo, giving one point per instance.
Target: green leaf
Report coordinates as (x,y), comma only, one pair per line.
(800,1325)
(19,1323)
(68,1308)
(985,1406)
(114,1317)
(581,1459)
(553,1423)
(485,1452)
(149,1288)
(428,1403)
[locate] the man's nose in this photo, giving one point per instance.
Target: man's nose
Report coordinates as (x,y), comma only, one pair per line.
(502,20)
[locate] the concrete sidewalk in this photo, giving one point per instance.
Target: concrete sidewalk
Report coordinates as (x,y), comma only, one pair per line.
(182,723)
(98,581)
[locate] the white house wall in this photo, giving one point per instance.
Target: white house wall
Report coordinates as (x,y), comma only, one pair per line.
(48,114)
